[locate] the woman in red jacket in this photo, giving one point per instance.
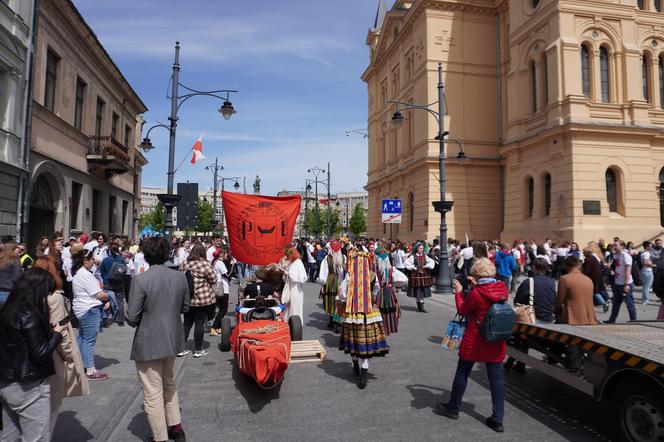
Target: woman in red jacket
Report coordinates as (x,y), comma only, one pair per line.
(474,348)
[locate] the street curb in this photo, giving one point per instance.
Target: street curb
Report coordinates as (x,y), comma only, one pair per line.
(128,405)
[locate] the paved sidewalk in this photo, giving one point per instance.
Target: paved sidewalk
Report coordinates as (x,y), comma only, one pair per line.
(320,401)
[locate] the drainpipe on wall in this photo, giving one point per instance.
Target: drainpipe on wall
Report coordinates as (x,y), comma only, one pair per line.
(24,179)
(500,117)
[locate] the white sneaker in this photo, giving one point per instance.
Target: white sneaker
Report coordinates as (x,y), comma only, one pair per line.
(183,353)
(198,354)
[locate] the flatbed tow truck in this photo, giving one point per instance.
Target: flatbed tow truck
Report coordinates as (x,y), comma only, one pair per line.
(622,364)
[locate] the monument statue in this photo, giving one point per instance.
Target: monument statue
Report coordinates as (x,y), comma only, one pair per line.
(257,185)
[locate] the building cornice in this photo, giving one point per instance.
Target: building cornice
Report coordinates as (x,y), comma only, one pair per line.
(69,19)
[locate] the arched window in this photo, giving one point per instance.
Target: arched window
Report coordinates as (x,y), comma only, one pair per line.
(639,3)
(661,82)
(645,77)
(411,211)
(546,184)
(533,86)
(604,74)
(585,70)
(611,179)
(530,197)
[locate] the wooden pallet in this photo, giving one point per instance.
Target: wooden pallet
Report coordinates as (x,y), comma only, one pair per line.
(306,351)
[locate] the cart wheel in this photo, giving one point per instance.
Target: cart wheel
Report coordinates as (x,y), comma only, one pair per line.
(225,334)
(637,406)
(295,325)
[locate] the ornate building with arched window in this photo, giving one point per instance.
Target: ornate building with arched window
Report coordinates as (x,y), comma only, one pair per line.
(559,111)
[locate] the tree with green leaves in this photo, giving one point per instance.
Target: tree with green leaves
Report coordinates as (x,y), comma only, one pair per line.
(154,218)
(321,228)
(357,222)
(204,223)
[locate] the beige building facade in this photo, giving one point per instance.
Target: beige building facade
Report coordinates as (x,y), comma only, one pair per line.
(86,121)
(557,105)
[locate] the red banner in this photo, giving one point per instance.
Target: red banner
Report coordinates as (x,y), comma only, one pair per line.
(259,227)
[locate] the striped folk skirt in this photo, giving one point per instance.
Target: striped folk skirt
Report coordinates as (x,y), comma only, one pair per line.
(387,303)
(362,335)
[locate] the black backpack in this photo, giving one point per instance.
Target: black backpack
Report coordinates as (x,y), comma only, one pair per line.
(117,275)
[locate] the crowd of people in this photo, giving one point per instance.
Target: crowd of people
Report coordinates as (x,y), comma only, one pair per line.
(92,282)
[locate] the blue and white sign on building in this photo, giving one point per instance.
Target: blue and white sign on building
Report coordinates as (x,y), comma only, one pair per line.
(391,210)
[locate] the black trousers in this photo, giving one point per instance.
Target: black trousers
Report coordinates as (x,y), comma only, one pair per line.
(222,309)
(197,316)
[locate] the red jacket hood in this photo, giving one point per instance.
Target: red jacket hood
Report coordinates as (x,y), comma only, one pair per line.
(493,291)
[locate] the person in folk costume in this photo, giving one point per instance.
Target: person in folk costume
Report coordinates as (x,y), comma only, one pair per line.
(388,277)
(419,283)
(332,272)
(371,247)
(362,334)
(295,276)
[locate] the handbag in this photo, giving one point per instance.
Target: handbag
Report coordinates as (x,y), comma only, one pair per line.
(454,334)
(526,313)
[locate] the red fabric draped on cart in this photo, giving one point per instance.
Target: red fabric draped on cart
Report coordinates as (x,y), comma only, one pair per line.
(262,350)
(260,227)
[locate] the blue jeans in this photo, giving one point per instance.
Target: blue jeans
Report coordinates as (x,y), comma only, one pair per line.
(618,296)
(601,298)
(493,370)
(3,297)
(88,330)
(647,277)
(312,271)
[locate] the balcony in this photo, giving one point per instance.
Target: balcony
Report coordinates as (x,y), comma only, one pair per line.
(108,155)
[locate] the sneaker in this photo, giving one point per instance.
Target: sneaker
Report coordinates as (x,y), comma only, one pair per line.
(200,353)
(605,307)
(183,353)
(495,426)
(97,376)
(214,331)
(177,436)
(443,410)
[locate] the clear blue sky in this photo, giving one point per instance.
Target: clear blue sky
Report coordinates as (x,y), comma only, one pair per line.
(297,66)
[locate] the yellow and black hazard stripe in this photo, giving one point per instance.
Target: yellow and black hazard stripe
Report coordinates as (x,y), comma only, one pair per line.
(614,355)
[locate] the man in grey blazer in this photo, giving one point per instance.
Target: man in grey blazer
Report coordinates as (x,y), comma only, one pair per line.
(157,298)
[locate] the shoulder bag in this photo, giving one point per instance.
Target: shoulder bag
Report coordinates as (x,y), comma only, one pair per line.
(526,313)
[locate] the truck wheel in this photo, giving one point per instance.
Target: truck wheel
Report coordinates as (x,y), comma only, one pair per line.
(295,325)
(637,406)
(225,334)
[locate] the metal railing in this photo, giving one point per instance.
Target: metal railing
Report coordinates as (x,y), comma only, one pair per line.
(106,147)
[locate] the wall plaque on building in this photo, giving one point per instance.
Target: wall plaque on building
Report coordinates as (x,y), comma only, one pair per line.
(592,207)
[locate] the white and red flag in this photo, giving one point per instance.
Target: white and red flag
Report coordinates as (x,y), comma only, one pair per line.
(198,151)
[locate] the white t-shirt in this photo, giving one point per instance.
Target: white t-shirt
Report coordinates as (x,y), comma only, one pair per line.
(221,270)
(182,255)
(398,258)
(622,260)
(85,287)
(91,245)
(140,264)
(467,253)
(547,248)
(310,254)
(99,255)
(66,263)
(645,258)
(209,253)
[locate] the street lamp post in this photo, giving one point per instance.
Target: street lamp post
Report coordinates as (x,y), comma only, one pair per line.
(307,189)
(316,172)
(170,200)
(215,170)
(443,279)
(223,180)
